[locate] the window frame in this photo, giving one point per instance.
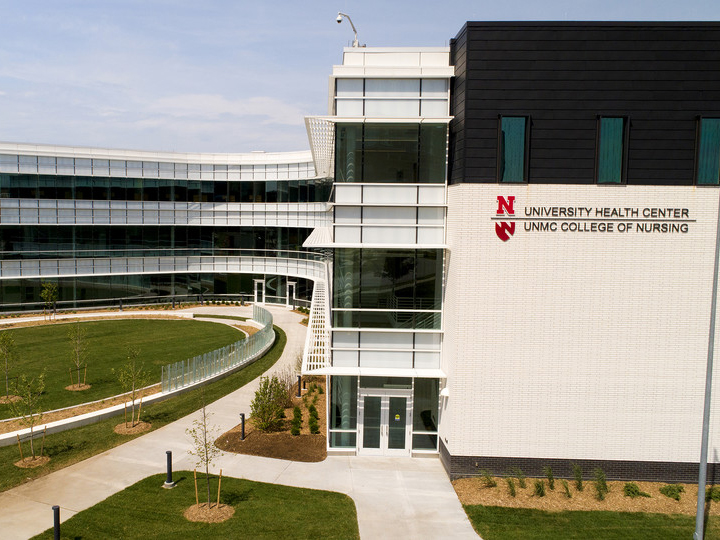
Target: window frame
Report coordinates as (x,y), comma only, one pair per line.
(624,149)
(526,149)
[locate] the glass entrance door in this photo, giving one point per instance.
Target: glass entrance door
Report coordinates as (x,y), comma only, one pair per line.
(385,421)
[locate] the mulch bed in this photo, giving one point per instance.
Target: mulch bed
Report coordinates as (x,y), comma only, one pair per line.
(30,463)
(281,444)
(6,426)
(78,387)
(214,514)
(127,429)
(471,491)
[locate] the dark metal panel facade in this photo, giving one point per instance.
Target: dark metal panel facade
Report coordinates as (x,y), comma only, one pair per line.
(661,76)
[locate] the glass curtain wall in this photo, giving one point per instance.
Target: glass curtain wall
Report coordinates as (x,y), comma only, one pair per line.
(377,288)
(88,291)
(32,242)
(41,186)
(390,153)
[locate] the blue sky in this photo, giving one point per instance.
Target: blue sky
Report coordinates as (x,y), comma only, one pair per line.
(223,76)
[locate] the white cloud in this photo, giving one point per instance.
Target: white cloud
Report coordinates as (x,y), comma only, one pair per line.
(214,106)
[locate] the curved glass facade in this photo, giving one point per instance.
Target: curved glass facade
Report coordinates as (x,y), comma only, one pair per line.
(103,250)
(99,188)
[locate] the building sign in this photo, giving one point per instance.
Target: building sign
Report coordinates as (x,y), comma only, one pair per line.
(588,219)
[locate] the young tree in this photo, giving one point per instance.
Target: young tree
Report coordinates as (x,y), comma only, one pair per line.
(28,409)
(267,407)
(49,294)
(204,450)
(77,334)
(7,354)
(133,378)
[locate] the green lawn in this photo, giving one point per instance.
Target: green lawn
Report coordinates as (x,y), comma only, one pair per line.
(498,523)
(74,445)
(146,510)
(160,342)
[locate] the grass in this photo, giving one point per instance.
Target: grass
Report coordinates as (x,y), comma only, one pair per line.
(160,342)
(211,316)
(498,523)
(145,510)
(74,445)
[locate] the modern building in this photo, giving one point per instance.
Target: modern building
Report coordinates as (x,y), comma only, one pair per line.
(509,243)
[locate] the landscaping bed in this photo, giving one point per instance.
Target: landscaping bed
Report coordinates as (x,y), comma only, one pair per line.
(281,444)
(472,491)
(501,508)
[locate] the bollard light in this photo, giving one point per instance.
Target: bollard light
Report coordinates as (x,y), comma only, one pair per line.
(242,426)
(169,484)
(299,388)
(56,522)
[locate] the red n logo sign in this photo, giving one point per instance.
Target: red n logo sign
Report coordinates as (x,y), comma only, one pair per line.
(506,206)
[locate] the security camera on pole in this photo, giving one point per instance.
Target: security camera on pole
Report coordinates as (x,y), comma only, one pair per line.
(339,20)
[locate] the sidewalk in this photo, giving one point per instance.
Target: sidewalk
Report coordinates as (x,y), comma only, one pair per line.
(395,497)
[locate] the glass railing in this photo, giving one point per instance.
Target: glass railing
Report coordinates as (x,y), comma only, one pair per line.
(213,363)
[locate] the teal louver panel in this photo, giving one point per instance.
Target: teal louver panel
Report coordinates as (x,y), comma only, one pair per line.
(512,149)
(708,172)
(610,153)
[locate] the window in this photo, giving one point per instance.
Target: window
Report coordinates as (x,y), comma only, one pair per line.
(611,150)
(391,153)
(512,148)
(378,288)
(708,149)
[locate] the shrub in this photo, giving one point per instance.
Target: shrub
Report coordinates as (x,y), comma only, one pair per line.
(313,412)
(578,474)
(551,479)
(320,390)
(672,490)
(632,490)
(487,479)
(539,488)
(287,378)
(566,487)
(712,494)
(511,486)
(295,431)
(517,473)
(314,426)
(268,405)
(601,487)
(297,414)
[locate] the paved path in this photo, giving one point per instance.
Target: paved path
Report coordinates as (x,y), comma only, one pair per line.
(395,497)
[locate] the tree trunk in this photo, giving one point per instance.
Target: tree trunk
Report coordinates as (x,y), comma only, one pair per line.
(197,500)
(32,446)
(207,479)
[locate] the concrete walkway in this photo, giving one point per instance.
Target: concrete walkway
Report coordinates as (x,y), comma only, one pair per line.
(395,497)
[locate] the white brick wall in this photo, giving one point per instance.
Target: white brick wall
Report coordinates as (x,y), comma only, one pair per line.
(577,344)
